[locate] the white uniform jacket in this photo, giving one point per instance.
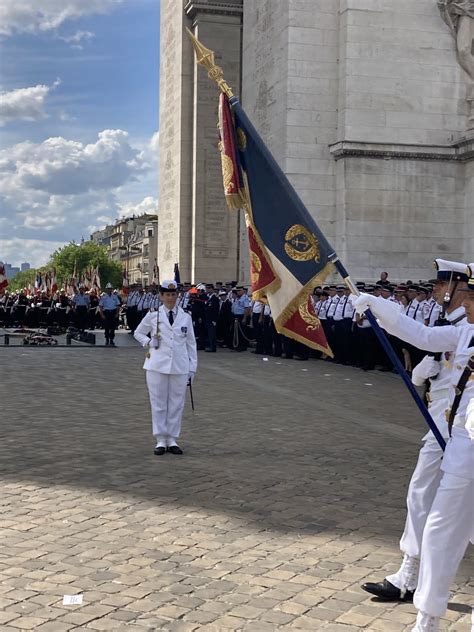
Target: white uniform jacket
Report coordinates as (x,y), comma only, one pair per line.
(176,353)
(459,340)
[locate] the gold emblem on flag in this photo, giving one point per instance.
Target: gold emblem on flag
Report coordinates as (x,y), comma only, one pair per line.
(227,172)
(311,320)
(241,139)
(301,244)
(255,268)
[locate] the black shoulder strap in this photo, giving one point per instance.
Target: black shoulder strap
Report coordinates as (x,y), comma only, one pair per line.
(460,387)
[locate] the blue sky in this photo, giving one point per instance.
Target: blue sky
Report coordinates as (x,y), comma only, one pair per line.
(78,119)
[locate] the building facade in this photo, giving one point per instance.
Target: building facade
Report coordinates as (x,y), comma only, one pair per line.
(368,107)
(132,242)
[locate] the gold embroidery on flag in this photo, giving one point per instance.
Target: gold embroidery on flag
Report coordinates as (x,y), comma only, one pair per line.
(255,267)
(301,244)
(312,321)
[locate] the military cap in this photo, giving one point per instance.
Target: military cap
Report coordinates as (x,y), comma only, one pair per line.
(449,271)
(168,286)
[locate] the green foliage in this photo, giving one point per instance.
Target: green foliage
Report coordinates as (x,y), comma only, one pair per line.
(21,280)
(81,256)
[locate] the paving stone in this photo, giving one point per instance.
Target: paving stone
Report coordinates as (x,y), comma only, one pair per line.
(234,536)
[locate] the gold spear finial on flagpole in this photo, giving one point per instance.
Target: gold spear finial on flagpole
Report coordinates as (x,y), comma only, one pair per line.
(205,57)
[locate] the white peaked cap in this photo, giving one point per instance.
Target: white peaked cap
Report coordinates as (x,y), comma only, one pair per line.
(450,270)
(170,286)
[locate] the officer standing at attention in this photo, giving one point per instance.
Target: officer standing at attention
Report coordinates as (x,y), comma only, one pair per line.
(211,314)
(80,303)
(241,312)
(170,363)
(109,306)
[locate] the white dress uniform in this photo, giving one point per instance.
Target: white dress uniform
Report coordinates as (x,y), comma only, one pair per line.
(450,523)
(168,369)
(427,474)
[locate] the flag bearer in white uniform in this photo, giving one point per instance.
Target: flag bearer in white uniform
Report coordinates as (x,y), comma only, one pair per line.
(450,522)
(170,363)
(451,278)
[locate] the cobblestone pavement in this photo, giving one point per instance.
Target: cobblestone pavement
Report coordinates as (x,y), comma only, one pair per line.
(290,494)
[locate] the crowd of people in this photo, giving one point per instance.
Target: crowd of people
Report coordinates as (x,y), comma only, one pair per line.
(225,316)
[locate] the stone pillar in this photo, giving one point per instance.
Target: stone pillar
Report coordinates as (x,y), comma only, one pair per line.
(289,91)
(214,228)
(175,125)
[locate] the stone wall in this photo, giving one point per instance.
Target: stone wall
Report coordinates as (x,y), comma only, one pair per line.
(362,103)
(469,222)
(215,233)
(175,125)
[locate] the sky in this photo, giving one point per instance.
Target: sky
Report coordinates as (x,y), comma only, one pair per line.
(79,135)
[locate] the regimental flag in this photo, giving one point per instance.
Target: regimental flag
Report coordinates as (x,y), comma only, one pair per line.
(3,277)
(72,289)
(156,274)
(38,281)
(177,276)
(54,281)
(289,255)
(96,280)
(46,283)
(124,281)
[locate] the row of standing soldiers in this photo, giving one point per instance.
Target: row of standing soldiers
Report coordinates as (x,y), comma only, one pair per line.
(43,310)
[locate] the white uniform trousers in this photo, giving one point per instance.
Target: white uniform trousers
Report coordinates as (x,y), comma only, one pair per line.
(422,490)
(448,529)
(167,395)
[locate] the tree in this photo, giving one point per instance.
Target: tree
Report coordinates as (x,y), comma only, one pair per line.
(79,257)
(21,280)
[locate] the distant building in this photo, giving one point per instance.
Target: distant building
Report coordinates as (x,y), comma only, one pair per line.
(11,271)
(133,242)
(25,266)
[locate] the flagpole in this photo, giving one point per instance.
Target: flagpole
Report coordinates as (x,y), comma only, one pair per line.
(384,341)
(205,57)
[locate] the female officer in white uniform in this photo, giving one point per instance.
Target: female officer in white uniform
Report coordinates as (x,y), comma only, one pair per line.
(170,362)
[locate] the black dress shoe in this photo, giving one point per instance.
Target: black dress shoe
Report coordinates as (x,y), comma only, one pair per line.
(387,591)
(159,451)
(174,449)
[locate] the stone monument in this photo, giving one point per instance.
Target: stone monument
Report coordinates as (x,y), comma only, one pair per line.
(459,16)
(367,105)
(196,229)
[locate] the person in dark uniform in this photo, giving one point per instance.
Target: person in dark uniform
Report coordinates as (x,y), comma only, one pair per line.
(211,314)
(199,317)
(63,308)
(93,310)
(224,320)
(109,306)
(81,302)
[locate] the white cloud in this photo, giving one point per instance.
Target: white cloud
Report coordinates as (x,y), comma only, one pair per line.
(147,205)
(60,189)
(35,251)
(25,16)
(77,38)
(59,167)
(25,104)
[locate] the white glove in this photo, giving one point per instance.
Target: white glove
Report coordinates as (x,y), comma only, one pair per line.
(362,302)
(386,311)
(428,367)
(191,376)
